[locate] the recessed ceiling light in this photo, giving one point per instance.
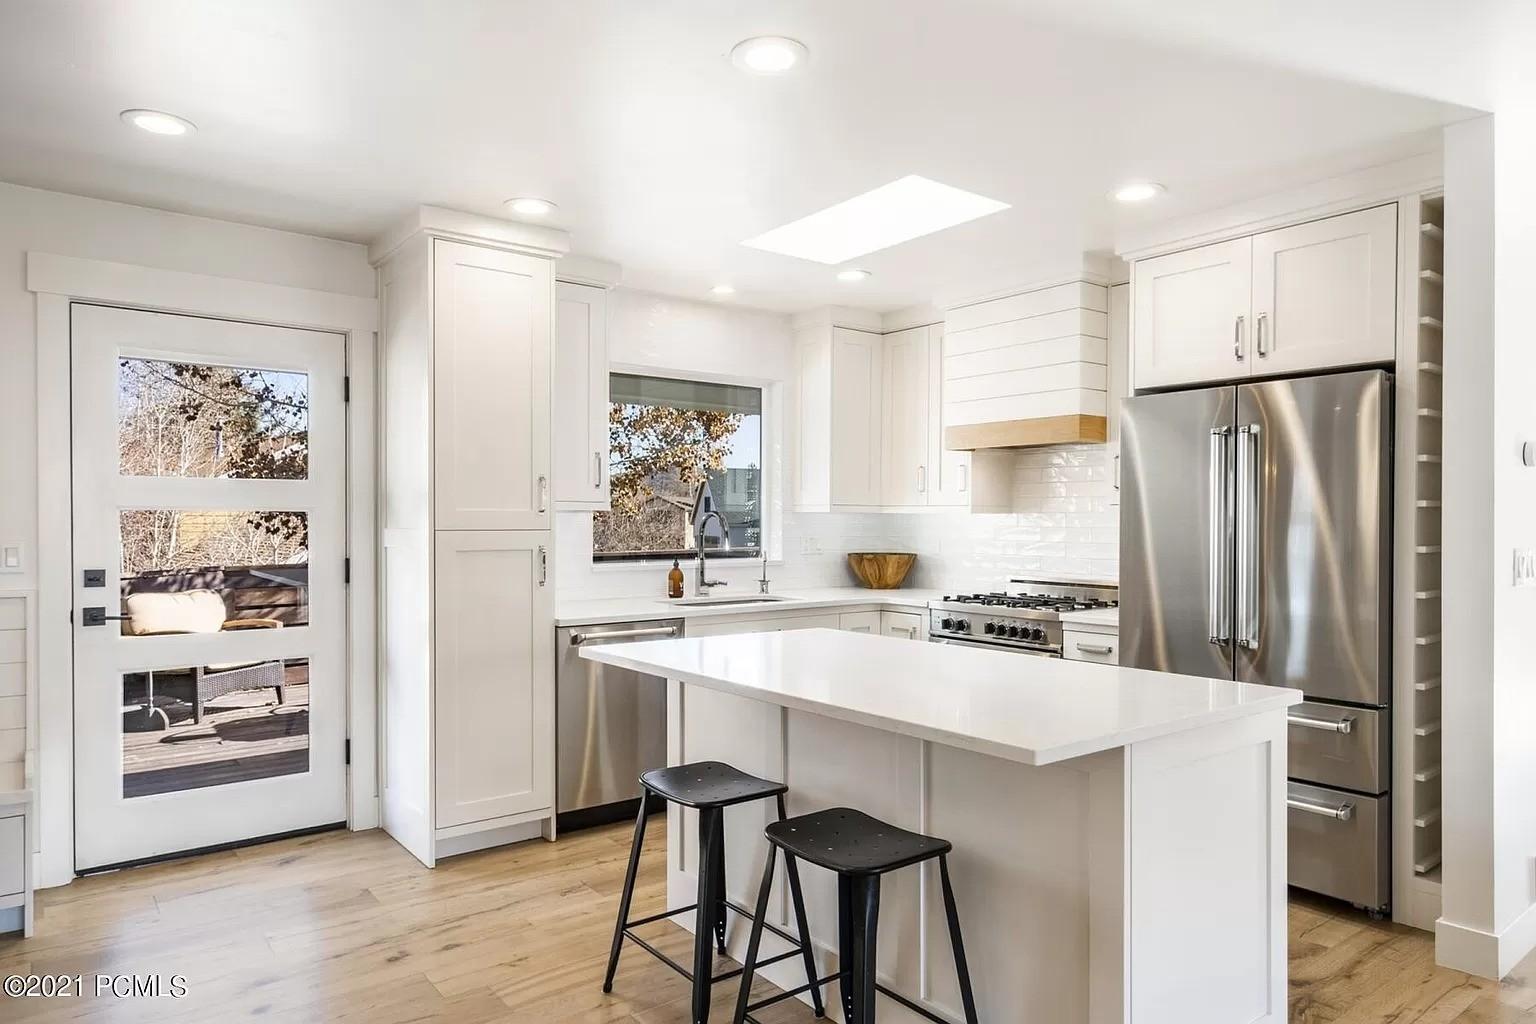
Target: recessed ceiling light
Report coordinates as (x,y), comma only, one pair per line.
(769,55)
(158,122)
(905,209)
(723,289)
(1138,191)
(530,206)
(853,275)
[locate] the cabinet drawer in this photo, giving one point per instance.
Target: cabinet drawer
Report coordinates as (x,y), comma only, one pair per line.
(1335,746)
(1101,647)
(13,855)
(904,625)
(1338,844)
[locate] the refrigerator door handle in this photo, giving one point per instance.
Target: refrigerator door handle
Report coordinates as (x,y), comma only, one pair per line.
(1218,596)
(1247,502)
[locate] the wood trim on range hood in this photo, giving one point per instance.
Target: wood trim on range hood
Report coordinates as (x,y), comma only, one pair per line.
(1031,433)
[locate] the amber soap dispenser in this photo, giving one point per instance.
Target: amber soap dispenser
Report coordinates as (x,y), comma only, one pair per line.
(675,581)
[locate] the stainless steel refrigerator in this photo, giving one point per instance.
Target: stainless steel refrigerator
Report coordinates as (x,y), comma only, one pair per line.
(1256,544)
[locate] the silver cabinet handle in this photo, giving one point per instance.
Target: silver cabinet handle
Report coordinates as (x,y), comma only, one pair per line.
(1343,812)
(543,494)
(1219,618)
(1345,725)
(577,639)
(965,485)
(922,479)
(1258,335)
(1247,504)
(1237,338)
(543,565)
(1096,648)
(597,470)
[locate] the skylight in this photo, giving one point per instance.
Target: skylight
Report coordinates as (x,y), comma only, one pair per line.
(905,209)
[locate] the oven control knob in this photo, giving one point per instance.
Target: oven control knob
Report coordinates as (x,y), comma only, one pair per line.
(948,624)
(963,625)
(1013,631)
(990,627)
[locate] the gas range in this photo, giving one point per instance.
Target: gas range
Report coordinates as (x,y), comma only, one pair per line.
(1028,620)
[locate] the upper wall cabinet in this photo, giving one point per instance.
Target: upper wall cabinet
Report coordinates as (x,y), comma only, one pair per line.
(1309,297)
(581,397)
(915,468)
(838,379)
(491,321)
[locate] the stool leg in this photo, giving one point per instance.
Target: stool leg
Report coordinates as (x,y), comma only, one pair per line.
(866,908)
(804,929)
(717,902)
(847,957)
(626,897)
(749,965)
(957,944)
(710,836)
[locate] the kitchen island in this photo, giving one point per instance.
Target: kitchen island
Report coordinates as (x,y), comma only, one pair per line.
(1119,834)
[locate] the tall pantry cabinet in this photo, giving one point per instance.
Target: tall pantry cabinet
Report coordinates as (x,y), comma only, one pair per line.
(465,498)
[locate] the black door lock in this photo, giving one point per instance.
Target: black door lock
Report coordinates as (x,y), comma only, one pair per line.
(96,615)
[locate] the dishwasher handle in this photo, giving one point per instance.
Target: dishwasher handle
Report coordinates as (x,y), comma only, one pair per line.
(577,639)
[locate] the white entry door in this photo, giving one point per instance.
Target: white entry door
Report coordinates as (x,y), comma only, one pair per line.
(210,609)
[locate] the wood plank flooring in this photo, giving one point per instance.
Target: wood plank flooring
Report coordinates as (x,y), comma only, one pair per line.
(347,927)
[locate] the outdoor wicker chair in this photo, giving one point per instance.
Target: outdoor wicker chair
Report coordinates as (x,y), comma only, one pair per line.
(202,611)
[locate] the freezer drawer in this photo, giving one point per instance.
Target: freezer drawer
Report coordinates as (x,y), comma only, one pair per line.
(1339,746)
(1339,844)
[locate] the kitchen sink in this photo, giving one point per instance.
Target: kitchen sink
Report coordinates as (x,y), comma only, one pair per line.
(720,602)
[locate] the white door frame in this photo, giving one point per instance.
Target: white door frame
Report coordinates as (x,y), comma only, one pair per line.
(59,280)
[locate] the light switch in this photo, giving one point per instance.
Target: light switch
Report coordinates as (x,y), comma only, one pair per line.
(10,558)
(1525,567)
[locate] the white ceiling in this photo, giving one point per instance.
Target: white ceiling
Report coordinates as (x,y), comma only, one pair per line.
(336,117)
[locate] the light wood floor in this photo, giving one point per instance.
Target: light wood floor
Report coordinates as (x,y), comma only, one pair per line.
(347,927)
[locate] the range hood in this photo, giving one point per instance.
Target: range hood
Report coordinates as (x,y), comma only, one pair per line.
(1028,370)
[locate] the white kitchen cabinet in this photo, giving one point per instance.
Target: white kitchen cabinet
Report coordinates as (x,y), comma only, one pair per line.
(859,622)
(838,375)
(905,625)
(1325,293)
(1191,315)
(905,421)
(1080,645)
(949,473)
(494,705)
(491,327)
(1313,296)
(581,398)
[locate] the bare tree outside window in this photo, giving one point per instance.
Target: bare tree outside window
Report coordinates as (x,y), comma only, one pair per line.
(665,437)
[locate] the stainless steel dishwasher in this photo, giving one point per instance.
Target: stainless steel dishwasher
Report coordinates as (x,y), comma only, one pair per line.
(611,724)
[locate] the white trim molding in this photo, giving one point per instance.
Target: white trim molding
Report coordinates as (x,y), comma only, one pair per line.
(1486,954)
(59,280)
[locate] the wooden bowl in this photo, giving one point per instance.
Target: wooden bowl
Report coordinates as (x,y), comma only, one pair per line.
(881,570)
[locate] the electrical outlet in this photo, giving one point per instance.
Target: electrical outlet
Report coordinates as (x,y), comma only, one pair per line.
(1525,567)
(11,558)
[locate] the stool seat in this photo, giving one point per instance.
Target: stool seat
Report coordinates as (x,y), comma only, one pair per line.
(708,784)
(851,842)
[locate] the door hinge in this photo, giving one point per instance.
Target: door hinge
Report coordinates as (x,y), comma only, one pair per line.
(348,751)
(346,388)
(346,570)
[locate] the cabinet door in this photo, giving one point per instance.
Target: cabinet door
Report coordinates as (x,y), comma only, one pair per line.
(904,419)
(856,407)
(493,676)
(581,397)
(859,622)
(906,625)
(1191,315)
(1325,293)
(949,473)
(491,326)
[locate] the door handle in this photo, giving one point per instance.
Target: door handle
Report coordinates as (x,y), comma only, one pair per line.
(1343,812)
(1345,725)
(1237,338)
(543,565)
(1096,648)
(922,479)
(543,494)
(597,470)
(1219,624)
(1247,502)
(577,639)
(1258,335)
(96,615)
(965,480)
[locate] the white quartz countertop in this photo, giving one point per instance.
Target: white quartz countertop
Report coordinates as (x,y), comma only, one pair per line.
(1091,617)
(1033,710)
(641,609)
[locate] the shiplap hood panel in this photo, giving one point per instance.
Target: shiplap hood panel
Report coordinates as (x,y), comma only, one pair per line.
(1028,370)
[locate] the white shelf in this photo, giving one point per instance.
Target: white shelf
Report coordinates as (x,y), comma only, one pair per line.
(1428,729)
(1432,231)
(1427,819)
(1428,864)
(1433,276)
(1427,684)
(1427,775)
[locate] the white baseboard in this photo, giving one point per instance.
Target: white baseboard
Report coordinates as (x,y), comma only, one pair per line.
(10,920)
(1485,954)
(455,845)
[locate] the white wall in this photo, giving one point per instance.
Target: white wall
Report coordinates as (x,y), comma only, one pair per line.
(32,219)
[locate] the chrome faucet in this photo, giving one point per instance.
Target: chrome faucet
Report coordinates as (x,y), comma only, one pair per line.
(702,582)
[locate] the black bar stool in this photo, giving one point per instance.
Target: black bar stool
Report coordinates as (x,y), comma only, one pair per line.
(859,849)
(710,787)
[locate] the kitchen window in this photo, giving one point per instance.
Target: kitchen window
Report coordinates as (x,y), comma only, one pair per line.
(666,436)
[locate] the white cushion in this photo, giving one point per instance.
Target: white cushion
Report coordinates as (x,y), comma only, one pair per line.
(190,611)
